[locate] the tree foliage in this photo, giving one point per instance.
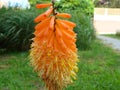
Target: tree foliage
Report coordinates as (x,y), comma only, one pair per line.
(84,29)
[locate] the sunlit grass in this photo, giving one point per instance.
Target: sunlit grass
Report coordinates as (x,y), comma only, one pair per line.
(16,73)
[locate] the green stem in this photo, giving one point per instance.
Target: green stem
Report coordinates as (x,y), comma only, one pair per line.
(54,13)
(53,1)
(53,4)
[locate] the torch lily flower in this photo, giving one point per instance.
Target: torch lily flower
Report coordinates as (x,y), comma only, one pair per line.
(53,51)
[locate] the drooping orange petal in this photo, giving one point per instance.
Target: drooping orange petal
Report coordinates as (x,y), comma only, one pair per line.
(65,28)
(42,24)
(61,43)
(67,35)
(69,40)
(51,40)
(70,24)
(40,18)
(43,5)
(43,16)
(63,15)
(49,11)
(58,31)
(52,22)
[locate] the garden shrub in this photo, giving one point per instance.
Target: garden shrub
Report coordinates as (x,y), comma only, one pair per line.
(83,6)
(16,28)
(84,29)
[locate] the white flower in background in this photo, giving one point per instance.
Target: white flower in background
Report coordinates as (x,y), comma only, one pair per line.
(22,4)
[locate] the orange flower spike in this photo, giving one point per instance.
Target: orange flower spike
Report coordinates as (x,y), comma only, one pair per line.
(43,5)
(53,51)
(63,15)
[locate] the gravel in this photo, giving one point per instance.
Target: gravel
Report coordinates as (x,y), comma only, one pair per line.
(114,43)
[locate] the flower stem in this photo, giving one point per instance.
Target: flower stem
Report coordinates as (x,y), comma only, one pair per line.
(53,4)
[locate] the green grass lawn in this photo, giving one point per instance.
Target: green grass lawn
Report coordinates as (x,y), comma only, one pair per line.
(113,36)
(99,69)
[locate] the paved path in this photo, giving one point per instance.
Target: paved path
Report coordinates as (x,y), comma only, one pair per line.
(114,43)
